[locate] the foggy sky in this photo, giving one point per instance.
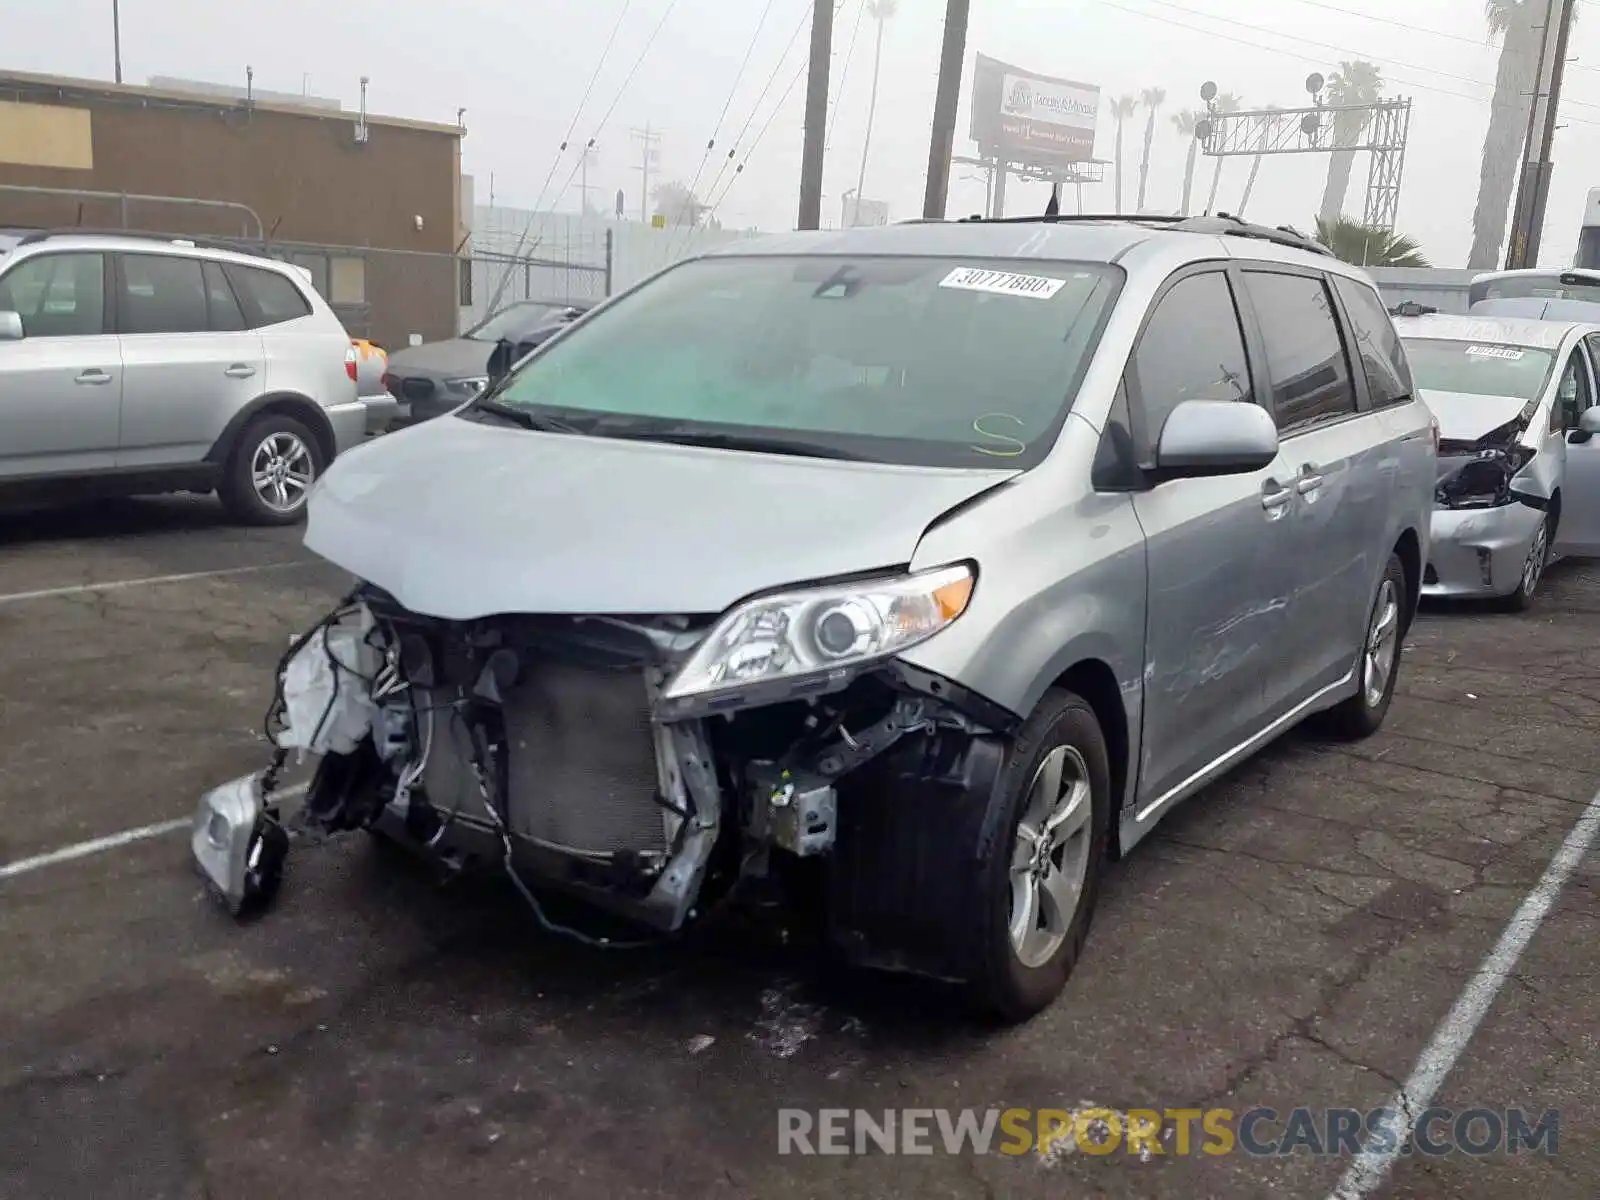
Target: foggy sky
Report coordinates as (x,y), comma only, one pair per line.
(519,69)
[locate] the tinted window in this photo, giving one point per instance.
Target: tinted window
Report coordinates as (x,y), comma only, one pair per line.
(1305,355)
(57,295)
(273,296)
(1574,395)
(161,293)
(931,361)
(1192,349)
(221,304)
(1382,358)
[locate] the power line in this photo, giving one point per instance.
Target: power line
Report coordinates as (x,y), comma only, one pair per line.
(728,103)
(1301,57)
(844,75)
(762,132)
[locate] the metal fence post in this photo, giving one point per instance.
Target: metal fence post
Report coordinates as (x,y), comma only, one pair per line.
(610,241)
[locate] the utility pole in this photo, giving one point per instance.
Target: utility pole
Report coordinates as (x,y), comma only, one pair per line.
(583,182)
(116,37)
(647,139)
(816,114)
(1533,184)
(945,103)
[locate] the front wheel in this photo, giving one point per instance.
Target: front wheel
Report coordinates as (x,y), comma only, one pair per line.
(1533,567)
(1043,880)
(1378,666)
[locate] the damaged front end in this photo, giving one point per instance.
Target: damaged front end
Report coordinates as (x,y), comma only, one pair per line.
(1492,471)
(651,766)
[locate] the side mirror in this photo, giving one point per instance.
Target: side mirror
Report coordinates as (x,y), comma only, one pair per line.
(10,327)
(1588,426)
(1216,437)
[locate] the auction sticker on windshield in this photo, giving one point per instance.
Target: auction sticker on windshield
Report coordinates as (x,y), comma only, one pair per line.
(1509,353)
(1002,283)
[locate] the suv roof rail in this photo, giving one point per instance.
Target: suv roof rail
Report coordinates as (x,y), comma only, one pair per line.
(1225,224)
(171,239)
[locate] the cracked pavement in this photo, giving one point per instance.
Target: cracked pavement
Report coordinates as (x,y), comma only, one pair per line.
(1290,937)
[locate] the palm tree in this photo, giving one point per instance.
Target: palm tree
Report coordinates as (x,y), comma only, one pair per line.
(1368,245)
(1227,102)
(1519,24)
(1354,83)
(1121,109)
(1185,123)
(1268,124)
(1152,98)
(881,11)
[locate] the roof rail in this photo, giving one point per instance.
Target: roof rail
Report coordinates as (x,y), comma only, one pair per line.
(170,239)
(1225,224)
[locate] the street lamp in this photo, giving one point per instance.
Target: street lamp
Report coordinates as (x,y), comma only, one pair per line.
(116,37)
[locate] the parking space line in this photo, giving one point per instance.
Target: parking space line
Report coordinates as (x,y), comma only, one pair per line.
(1371,1166)
(120,584)
(113,841)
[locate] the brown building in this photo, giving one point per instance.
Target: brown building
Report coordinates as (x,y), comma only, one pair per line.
(371,205)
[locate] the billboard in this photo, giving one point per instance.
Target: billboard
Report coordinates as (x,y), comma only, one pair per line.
(1022,116)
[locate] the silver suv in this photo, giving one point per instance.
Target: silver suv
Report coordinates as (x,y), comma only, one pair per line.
(925,565)
(136,364)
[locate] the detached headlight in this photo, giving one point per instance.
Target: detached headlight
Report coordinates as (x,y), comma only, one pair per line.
(818,631)
(469,386)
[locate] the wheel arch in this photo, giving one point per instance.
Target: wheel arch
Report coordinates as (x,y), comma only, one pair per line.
(291,404)
(1096,682)
(1409,547)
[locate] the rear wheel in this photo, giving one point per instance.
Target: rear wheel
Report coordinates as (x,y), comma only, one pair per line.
(1379,665)
(271,471)
(1533,567)
(1042,882)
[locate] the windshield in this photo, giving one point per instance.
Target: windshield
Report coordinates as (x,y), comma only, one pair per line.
(1542,287)
(509,322)
(922,361)
(1479,368)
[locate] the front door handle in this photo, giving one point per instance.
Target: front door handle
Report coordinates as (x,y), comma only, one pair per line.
(239,371)
(93,375)
(1307,484)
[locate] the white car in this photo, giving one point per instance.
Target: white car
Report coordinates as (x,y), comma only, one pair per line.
(1519,469)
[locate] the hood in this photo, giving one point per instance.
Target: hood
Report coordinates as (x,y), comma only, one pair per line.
(460,520)
(1466,417)
(455,358)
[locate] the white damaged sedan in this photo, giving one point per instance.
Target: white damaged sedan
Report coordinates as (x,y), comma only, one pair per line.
(1519,465)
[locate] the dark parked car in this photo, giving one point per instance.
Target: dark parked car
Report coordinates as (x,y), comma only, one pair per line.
(439,377)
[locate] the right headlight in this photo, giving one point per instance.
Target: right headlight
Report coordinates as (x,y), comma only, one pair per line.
(815,632)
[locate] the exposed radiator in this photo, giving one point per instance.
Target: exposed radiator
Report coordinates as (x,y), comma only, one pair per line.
(582,766)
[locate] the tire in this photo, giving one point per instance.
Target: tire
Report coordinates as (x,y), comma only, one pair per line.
(1362,715)
(1533,567)
(1020,975)
(278,444)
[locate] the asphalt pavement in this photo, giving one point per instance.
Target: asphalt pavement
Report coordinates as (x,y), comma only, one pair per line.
(1294,937)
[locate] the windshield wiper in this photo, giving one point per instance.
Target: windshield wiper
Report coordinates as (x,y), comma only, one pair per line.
(526,418)
(753,442)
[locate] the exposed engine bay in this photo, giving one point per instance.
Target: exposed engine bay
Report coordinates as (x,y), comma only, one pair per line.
(1492,470)
(545,747)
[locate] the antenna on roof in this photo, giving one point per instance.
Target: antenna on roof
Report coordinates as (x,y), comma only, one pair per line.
(1053,209)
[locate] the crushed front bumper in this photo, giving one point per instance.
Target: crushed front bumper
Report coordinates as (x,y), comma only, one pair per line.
(1479,552)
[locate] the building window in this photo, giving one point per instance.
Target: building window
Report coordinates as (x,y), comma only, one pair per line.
(348,281)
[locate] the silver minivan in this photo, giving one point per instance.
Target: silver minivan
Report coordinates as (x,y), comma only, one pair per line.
(917,569)
(144,363)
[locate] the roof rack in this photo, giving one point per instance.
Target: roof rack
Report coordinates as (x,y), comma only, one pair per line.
(1225,224)
(1411,308)
(170,239)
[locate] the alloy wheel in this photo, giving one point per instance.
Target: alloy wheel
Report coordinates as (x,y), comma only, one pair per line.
(282,471)
(1383,643)
(1050,859)
(1538,552)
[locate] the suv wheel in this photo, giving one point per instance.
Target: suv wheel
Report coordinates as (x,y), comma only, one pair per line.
(1045,876)
(271,471)
(1379,664)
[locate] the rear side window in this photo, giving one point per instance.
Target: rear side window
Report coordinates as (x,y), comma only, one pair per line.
(1306,362)
(57,295)
(1192,349)
(1382,358)
(271,298)
(161,293)
(221,304)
